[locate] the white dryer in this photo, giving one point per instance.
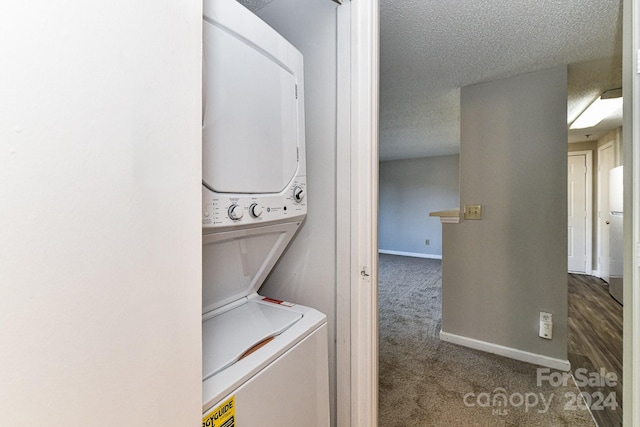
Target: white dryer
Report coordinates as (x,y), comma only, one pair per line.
(265,361)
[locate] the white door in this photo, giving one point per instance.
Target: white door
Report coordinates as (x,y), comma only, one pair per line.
(577,213)
(605,164)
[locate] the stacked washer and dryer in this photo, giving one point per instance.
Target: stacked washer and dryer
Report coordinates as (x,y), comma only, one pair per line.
(265,361)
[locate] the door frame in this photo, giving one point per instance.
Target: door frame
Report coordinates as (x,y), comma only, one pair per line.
(631,149)
(588,188)
(357,217)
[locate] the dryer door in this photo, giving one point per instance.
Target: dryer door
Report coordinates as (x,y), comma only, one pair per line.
(250,124)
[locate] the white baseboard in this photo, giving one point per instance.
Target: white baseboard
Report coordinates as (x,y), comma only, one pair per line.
(512,353)
(411,254)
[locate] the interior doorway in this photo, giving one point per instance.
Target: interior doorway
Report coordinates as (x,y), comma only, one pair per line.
(606,161)
(579,212)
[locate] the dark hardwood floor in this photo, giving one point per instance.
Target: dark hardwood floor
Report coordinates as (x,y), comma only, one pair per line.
(595,344)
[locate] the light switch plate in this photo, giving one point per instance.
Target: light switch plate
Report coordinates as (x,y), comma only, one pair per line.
(472,211)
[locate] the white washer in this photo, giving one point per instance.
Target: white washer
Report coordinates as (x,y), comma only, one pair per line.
(265,362)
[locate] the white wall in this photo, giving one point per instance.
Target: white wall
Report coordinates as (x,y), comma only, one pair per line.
(409,190)
(100,170)
(306,274)
(501,271)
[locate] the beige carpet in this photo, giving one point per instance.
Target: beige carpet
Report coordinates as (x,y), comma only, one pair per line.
(427,382)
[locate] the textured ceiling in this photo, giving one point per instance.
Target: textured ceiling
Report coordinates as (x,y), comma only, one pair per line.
(430,49)
(254,5)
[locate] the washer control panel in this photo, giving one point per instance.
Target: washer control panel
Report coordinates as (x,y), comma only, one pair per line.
(224,210)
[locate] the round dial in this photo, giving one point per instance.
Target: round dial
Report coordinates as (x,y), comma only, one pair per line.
(235,212)
(298,194)
(255,210)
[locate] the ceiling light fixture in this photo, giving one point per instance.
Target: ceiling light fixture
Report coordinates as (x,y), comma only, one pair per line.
(600,109)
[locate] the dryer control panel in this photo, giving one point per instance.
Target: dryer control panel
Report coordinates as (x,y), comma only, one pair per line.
(224,210)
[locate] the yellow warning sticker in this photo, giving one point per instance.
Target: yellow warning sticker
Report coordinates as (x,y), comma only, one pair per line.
(222,416)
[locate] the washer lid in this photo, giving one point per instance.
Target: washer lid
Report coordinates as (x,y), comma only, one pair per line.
(228,336)
(236,263)
(251,120)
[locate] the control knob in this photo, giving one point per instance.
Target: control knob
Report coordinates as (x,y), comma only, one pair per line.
(298,193)
(255,210)
(235,212)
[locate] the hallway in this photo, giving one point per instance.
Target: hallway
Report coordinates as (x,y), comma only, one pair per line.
(595,342)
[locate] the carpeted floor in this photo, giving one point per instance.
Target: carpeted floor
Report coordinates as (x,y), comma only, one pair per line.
(427,382)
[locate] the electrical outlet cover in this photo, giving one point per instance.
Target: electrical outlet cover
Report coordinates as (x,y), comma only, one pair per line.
(546,330)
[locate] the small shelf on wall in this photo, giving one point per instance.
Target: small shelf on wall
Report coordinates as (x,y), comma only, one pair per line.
(449,216)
